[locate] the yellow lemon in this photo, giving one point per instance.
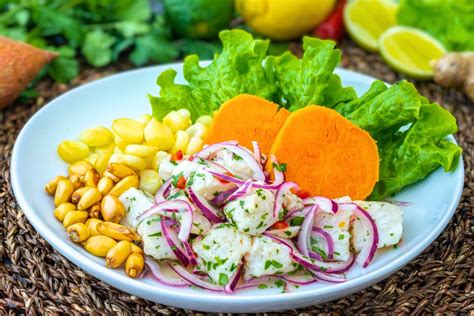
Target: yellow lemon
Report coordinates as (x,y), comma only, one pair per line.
(284,19)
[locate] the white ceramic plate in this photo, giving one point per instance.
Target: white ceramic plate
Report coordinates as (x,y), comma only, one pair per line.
(35,162)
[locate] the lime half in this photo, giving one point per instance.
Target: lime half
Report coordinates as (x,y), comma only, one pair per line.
(410,51)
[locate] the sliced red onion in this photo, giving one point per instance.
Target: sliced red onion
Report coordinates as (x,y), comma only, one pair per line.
(193,279)
(174,243)
(206,208)
(256,152)
(255,184)
(329,244)
(162,192)
(155,271)
(242,191)
(230,287)
(279,197)
(219,200)
(215,166)
(325,204)
(328,278)
(371,240)
(338,267)
(303,237)
(279,176)
(294,280)
(255,282)
(190,253)
(247,157)
(302,212)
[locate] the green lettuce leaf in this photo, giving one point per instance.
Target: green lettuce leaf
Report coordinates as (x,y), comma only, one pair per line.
(310,80)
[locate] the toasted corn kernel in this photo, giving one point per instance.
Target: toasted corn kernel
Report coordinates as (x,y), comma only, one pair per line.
(74,217)
(112,209)
(134,162)
(158,135)
(105,149)
(176,121)
(97,136)
(198,129)
(51,186)
(71,151)
(104,185)
(99,245)
(76,181)
(181,142)
(62,209)
(124,184)
(129,130)
(90,197)
(118,254)
(145,118)
(205,119)
(111,176)
(80,168)
(63,192)
(134,264)
(102,162)
(120,170)
(95,211)
(78,232)
(136,249)
(143,151)
(91,178)
(150,181)
(117,231)
(92,158)
(195,145)
(159,157)
(92,225)
(77,194)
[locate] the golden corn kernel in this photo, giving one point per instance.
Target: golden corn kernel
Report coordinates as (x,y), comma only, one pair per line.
(134,162)
(78,232)
(74,217)
(143,151)
(76,181)
(120,170)
(63,191)
(77,194)
(144,119)
(102,161)
(94,211)
(150,181)
(176,122)
(111,176)
(97,136)
(71,151)
(181,142)
(158,135)
(205,119)
(198,130)
(90,197)
(134,264)
(79,168)
(159,157)
(195,145)
(91,158)
(51,186)
(118,254)
(99,245)
(136,248)
(91,178)
(62,209)
(92,226)
(105,149)
(117,231)
(104,185)
(112,209)
(120,144)
(124,184)
(129,130)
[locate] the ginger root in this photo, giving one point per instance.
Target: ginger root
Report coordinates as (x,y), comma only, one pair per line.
(456,70)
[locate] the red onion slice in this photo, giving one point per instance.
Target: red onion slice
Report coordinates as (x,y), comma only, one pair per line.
(329,244)
(294,280)
(193,279)
(174,243)
(328,278)
(302,212)
(279,197)
(325,204)
(255,184)
(242,191)
(303,238)
(220,199)
(155,271)
(230,287)
(207,209)
(256,152)
(162,192)
(279,176)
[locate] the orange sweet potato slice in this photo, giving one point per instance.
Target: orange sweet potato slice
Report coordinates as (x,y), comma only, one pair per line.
(326,154)
(247,118)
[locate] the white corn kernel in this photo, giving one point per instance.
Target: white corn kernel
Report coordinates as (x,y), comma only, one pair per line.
(144,151)
(181,142)
(129,130)
(205,119)
(176,121)
(150,181)
(198,130)
(144,119)
(134,162)
(159,157)
(194,145)
(159,135)
(184,113)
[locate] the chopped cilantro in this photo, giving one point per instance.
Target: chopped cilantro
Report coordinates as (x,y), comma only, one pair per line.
(236,157)
(262,286)
(223,279)
(207,247)
(287,232)
(328,226)
(174,163)
(241,203)
(280,167)
(279,283)
(157,234)
(341,236)
(297,221)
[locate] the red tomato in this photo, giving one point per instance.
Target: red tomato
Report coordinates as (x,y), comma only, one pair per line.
(280,225)
(181,184)
(177,156)
(302,194)
(225,181)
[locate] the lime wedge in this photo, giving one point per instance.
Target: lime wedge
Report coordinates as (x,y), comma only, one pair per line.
(410,51)
(366,20)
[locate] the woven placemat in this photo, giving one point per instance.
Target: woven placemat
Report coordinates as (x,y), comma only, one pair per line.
(35,279)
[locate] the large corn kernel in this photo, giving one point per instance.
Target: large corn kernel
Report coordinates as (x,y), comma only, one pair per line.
(134,162)
(112,209)
(124,184)
(78,232)
(90,197)
(92,226)
(91,178)
(120,144)
(118,254)
(150,181)
(109,148)
(99,245)
(195,145)
(119,170)
(176,122)
(129,130)
(97,136)
(117,231)
(134,264)
(91,158)
(79,168)
(63,192)
(143,151)
(144,119)
(76,181)
(158,135)
(94,211)
(181,142)
(198,130)
(74,217)
(102,161)
(105,185)
(77,194)
(159,157)
(184,113)
(205,119)
(71,151)
(52,185)
(136,249)
(62,209)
